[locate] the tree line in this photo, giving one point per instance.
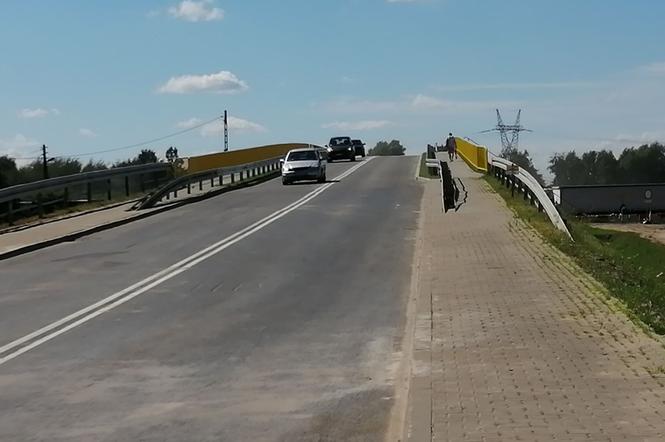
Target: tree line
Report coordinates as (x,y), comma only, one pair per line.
(11,174)
(384,148)
(643,164)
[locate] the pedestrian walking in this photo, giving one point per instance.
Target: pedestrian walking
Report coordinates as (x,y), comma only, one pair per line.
(451,147)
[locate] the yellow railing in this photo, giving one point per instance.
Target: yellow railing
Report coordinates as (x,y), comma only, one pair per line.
(237,157)
(474,155)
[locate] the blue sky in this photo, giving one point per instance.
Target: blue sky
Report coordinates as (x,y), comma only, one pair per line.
(86,76)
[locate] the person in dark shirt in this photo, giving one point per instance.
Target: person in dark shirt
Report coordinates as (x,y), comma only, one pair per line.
(451,147)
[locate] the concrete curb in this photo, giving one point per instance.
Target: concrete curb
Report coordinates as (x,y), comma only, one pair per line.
(418,419)
(100,228)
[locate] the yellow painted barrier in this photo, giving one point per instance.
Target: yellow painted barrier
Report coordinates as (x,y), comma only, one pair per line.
(241,156)
(474,155)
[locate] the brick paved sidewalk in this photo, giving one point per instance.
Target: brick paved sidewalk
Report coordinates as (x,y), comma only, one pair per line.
(524,345)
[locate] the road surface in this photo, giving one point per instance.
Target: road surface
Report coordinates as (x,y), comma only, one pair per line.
(284,329)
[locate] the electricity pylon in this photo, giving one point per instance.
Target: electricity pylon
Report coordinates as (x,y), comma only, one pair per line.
(510,133)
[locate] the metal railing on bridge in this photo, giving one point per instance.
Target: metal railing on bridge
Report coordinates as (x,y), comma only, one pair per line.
(103,185)
(516,178)
(209,179)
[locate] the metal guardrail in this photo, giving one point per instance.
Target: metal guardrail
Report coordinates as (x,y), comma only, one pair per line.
(15,192)
(235,173)
(38,195)
(524,182)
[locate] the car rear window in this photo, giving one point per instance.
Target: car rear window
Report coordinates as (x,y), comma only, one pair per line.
(340,141)
(303,155)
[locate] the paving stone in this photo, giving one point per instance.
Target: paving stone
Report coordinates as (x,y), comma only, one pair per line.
(525,345)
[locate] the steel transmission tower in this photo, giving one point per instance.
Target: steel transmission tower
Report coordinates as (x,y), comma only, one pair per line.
(510,133)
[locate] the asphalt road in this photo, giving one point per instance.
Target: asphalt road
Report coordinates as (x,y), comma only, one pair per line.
(289,330)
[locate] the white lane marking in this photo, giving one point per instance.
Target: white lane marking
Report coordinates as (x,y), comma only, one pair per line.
(121,297)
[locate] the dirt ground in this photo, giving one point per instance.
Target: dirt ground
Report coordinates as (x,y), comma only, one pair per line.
(653,232)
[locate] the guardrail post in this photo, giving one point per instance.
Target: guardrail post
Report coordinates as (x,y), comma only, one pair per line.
(189,188)
(40,206)
(200,185)
(88,190)
(126,185)
(221,180)
(10,212)
(512,187)
(233,177)
(212,182)
(108,188)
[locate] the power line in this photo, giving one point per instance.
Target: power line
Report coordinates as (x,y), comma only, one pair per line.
(143,143)
(22,158)
(571,137)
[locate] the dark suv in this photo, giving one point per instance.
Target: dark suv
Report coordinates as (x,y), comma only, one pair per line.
(341,148)
(359,147)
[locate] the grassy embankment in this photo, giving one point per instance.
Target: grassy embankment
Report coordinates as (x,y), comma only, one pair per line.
(631,268)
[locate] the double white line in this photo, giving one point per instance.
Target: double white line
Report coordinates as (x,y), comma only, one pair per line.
(35,339)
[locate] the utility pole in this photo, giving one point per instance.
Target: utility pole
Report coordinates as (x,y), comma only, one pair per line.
(226,132)
(45,161)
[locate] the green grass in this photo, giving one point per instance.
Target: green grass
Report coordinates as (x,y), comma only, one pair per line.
(630,267)
(426,172)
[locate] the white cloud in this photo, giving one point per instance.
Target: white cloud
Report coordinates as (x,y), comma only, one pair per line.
(357,125)
(19,147)
(657,68)
(421,101)
(237,125)
(222,82)
(411,104)
(37,113)
(187,124)
(33,113)
(515,86)
(195,11)
(87,133)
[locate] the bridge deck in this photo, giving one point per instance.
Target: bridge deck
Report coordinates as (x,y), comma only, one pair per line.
(525,345)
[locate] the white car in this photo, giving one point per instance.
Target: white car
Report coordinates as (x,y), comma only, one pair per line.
(303,164)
